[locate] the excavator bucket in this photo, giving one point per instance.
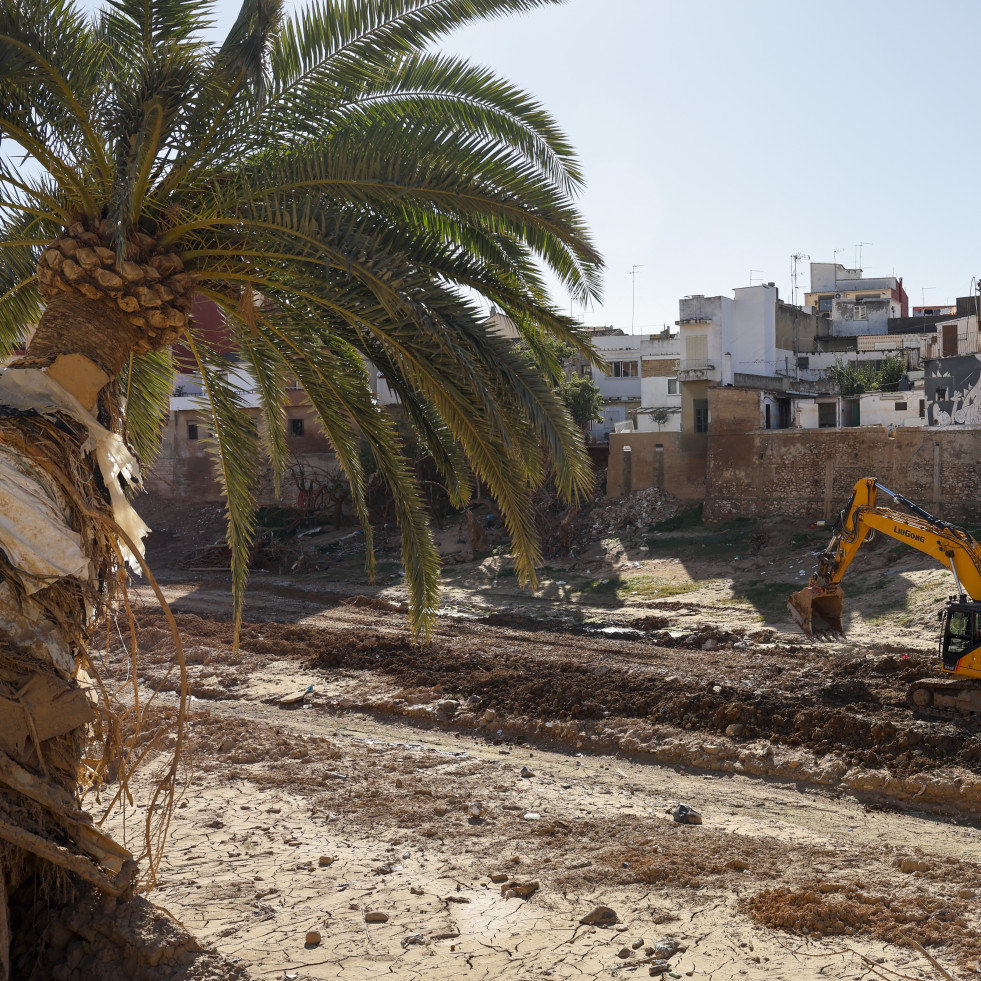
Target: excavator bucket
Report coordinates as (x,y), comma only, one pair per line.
(817,611)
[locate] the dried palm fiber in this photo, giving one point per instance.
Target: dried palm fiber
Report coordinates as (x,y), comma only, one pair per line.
(66,532)
(140,303)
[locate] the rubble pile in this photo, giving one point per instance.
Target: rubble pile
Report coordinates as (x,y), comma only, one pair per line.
(638,510)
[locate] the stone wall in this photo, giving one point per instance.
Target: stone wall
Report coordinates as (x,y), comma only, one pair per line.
(810,473)
(185,468)
(678,467)
(740,470)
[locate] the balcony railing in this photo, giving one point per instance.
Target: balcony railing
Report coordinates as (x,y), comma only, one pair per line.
(696,364)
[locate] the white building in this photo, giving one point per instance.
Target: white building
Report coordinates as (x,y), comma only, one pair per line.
(618,382)
(730,342)
(855,304)
(660,389)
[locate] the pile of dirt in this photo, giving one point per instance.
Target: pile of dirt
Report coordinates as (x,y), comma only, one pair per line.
(819,909)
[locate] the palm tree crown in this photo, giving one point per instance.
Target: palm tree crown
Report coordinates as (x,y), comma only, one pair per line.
(342,192)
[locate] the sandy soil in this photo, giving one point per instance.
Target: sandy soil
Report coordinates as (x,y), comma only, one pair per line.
(456,810)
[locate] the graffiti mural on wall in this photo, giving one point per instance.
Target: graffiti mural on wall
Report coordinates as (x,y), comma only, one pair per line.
(953,388)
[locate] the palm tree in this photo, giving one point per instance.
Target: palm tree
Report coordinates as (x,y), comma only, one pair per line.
(345,195)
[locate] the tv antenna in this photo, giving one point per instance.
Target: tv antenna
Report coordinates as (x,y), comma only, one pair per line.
(633,292)
(858,253)
(795,259)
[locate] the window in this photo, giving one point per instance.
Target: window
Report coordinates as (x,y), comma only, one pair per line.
(696,348)
(922,408)
(701,407)
(824,304)
(192,430)
(900,406)
(860,312)
(803,361)
(586,370)
(940,395)
(827,415)
(672,386)
(296,427)
(623,369)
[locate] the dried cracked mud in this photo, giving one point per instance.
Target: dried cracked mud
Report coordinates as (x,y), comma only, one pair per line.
(457,809)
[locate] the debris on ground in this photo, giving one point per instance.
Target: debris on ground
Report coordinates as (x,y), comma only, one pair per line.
(683,814)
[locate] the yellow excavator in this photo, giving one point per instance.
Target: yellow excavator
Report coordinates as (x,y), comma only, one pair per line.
(817,608)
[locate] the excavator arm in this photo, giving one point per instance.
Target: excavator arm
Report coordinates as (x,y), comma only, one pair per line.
(817,608)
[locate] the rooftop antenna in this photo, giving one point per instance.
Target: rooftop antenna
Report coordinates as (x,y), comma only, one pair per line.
(795,259)
(633,292)
(858,253)
(835,264)
(923,290)
(751,277)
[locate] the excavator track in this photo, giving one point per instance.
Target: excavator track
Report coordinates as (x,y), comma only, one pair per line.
(946,699)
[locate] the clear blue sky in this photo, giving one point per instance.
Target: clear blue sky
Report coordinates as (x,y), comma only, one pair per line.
(718,137)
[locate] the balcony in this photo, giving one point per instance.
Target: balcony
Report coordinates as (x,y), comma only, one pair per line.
(695,369)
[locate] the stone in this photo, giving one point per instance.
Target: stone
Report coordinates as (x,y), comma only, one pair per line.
(910,864)
(375,916)
(659,967)
(313,937)
(624,952)
(735,730)
(637,944)
(526,773)
(417,890)
(326,860)
(600,916)
(498,877)
(665,949)
(519,890)
(684,814)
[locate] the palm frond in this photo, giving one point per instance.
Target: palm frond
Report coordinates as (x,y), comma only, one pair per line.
(147,383)
(235,449)
(23,236)
(246,52)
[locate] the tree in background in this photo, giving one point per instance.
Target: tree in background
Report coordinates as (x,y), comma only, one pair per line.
(345,194)
(583,400)
(856,377)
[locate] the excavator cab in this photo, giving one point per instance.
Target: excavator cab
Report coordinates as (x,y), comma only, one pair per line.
(960,633)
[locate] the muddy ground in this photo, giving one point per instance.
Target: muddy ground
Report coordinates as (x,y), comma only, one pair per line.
(457,809)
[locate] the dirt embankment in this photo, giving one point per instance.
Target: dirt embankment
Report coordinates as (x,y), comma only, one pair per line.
(821,715)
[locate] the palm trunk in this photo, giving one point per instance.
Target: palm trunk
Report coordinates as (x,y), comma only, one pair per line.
(62,462)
